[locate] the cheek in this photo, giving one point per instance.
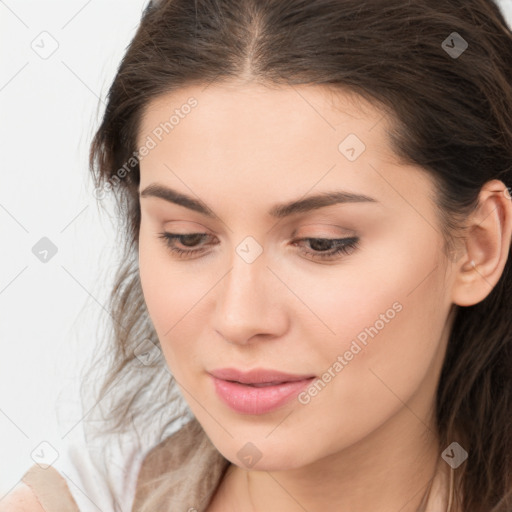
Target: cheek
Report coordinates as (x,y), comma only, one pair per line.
(168,284)
(157,284)
(390,298)
(388,319)
(174,296)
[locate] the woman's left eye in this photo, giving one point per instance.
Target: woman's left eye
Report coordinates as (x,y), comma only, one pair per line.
(342,246)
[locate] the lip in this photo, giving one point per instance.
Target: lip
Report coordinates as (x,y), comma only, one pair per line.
(246,399)
(256,375)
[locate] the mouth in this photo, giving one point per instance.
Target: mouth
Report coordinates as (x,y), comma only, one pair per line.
(262,385)
(257,376)
(258,397)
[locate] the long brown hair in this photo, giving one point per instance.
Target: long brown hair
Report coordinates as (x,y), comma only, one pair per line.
(452,115)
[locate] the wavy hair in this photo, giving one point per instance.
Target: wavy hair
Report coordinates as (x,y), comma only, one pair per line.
(451,115)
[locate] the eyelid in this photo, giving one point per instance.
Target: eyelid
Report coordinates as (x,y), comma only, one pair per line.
(316,230)
(322,224)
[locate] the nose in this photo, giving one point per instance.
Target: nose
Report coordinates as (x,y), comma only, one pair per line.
(251,303)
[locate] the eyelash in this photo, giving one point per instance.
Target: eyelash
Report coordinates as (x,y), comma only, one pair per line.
(345,245)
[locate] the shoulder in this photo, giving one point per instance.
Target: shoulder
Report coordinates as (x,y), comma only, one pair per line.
(21,499)
(40,490)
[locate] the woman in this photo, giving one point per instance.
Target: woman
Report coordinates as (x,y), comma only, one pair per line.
(317,215)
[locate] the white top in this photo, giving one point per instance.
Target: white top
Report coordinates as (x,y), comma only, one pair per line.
(85,471)
(89,467)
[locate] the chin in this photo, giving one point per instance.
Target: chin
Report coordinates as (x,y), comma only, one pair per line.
(265,456)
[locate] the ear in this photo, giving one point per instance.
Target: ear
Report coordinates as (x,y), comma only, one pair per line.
(487,245)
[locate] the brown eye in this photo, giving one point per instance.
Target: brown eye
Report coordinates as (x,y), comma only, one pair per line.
(186,239)
(321,246)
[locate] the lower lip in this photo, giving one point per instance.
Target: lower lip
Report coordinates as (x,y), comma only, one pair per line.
(247,399)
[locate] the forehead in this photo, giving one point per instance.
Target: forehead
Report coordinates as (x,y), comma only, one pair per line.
(243,110)
(264,140)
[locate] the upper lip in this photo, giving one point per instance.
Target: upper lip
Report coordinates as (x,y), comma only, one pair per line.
(256,375)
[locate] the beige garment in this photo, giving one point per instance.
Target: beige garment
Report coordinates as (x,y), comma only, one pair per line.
(191,462)
(195,467)
(51,489)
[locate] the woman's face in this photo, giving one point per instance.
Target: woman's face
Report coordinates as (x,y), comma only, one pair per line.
(369,323)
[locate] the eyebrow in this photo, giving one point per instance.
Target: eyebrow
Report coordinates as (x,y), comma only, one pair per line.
(278,211)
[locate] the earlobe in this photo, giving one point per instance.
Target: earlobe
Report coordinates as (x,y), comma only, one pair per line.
(487,246)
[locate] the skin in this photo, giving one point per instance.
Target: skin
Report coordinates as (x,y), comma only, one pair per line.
(367,441)
(21,499)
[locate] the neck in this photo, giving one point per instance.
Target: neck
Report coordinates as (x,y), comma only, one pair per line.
(393,469)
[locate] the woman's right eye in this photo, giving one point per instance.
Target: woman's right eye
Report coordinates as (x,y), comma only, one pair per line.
(184,239)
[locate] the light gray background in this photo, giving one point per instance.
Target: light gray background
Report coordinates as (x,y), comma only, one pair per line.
(51,311)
